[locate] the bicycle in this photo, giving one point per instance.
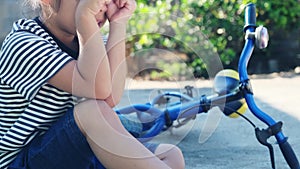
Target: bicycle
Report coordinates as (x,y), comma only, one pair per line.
(237,91)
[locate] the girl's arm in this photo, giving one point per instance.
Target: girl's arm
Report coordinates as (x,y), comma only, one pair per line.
(118,14)
(90,75)
(116,55)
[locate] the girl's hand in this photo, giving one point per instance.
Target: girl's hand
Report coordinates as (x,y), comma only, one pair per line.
(85,18)
(91,6)
(120,10)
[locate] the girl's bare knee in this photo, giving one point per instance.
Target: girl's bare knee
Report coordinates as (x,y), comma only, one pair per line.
(176,156)
(171,155)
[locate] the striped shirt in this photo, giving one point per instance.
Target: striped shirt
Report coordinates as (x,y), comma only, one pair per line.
(29,57)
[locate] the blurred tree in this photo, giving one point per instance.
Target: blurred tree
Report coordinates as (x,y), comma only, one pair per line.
(187,25)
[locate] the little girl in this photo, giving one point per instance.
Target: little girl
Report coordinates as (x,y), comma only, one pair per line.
(47,65)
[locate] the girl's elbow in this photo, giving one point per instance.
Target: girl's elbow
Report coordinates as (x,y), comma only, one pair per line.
(103,91)
(102,94)
(113,101)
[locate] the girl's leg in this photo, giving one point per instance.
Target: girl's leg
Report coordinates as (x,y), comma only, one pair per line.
(170,155)
(63,146)
(109,140)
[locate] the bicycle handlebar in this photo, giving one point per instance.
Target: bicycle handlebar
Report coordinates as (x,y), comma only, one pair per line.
(289,155)
(250,25)
(242,68)
(250,16)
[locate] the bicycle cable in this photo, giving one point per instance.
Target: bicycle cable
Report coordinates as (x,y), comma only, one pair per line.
(186,120)
(246,118)
(262,136)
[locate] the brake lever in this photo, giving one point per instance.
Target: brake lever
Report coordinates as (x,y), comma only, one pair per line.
(263,135)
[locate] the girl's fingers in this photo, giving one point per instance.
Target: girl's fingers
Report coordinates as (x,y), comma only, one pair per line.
(122,3)
(111,10)
(116,2)
(107,2)
(119,9)
(130,4)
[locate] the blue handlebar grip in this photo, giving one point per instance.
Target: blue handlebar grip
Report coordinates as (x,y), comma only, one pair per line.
(250,16)
(289,155)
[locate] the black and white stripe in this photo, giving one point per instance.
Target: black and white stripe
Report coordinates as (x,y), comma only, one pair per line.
(28,105)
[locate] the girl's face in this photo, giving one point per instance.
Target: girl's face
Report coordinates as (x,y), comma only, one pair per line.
(62,21)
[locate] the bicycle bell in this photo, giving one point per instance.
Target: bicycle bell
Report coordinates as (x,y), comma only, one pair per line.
(261,37)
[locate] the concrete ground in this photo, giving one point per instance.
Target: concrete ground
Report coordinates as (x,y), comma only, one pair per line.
(215,141)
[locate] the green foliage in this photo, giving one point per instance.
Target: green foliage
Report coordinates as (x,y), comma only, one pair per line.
(279,14)
(171,71)
(204,28)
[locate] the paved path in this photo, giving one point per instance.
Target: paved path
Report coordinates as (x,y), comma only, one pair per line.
(232,143)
